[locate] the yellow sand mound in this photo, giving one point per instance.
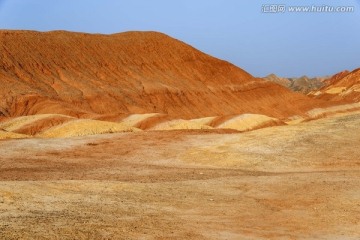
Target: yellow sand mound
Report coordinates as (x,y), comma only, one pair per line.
(319,112)
(8,135)
(246,122)
(178,124)
(294,120)
(203,121)
(135,119)
(19,122)
(83,127)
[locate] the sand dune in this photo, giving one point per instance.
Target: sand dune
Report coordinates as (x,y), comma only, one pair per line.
(322,112)
(135,120)
(10,135)
(83,127)
(34,124)
(295,120)
(243,122)
(179,124)
(246,122)
(19,122)
(55,125)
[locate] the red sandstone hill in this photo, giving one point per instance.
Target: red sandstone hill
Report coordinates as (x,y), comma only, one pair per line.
(343,86)
(81,74)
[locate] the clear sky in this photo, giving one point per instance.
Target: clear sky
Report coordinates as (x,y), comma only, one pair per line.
(287,44)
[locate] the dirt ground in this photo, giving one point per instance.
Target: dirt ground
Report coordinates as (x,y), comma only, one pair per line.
(288,182)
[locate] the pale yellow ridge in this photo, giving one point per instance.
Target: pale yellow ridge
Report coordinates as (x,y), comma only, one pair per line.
(85,127)
(247,122)
(19,122)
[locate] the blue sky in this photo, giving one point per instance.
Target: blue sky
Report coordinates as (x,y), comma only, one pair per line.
(288,44)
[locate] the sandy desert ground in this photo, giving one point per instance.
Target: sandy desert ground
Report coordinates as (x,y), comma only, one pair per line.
(297,181)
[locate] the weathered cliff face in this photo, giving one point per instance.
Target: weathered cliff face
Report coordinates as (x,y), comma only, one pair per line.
(81,74)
